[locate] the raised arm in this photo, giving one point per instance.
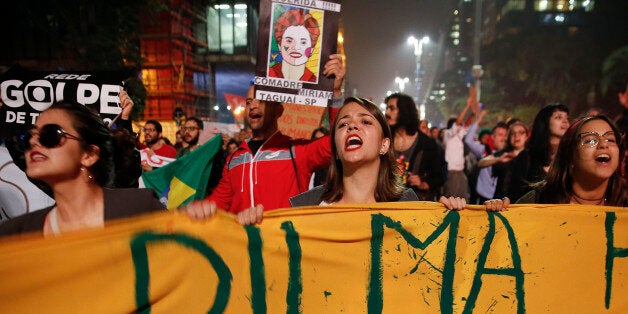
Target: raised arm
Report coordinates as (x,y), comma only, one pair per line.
(463,113)
(476,147)
(335,67)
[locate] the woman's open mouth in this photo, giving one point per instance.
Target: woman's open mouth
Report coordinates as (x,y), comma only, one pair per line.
(603,158)
(353,142)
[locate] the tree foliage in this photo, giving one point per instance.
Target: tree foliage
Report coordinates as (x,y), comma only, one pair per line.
(580,66)
(615,72)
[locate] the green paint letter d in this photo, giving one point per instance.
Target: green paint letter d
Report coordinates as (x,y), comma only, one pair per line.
(140,261)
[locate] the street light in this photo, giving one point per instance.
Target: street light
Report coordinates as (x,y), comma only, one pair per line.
(418,52)
(402,82)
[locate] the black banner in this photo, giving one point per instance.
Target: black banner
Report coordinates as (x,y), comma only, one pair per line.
(25,94)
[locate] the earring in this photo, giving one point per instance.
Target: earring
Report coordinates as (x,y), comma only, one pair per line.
(90,177)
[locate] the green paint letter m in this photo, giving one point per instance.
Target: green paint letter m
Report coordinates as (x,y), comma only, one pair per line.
(378,222)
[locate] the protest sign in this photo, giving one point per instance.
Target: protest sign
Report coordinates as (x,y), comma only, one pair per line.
(369,258)
(300,121)
(25,94)
(295,39)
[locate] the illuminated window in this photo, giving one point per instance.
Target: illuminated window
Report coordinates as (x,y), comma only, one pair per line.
(149,78)
(562,5)
(542,5)
(240,29)
(227,28)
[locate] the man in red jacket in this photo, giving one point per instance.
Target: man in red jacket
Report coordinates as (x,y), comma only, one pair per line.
(270,167)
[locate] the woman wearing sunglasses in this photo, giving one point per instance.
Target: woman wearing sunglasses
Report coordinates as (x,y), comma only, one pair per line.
(586,169)
(71,150)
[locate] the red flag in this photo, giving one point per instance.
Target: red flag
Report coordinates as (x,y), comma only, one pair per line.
(237,104)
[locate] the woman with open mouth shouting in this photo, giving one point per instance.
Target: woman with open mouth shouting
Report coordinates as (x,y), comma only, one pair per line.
(586,169)
(363,168)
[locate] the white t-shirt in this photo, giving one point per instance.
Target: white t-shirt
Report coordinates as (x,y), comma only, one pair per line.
(454,147)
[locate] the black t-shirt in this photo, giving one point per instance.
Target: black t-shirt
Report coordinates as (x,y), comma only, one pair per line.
(254,145)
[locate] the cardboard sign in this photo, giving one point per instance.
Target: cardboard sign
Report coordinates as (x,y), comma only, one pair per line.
(300,121)
(295,40)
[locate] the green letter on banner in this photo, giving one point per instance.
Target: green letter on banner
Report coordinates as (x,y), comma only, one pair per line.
(516,271)
(140,261)
(378,222)
(295,283)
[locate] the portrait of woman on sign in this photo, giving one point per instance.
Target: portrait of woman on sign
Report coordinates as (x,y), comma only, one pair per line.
(293,50)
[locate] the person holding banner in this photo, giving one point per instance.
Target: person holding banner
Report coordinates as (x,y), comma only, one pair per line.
(71,151)
(363,168)
(586,168)
(270,167)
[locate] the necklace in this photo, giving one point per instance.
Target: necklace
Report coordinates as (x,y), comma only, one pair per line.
(54,222)
(578,199)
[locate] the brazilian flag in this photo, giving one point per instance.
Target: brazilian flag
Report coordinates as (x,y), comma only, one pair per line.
(186,178)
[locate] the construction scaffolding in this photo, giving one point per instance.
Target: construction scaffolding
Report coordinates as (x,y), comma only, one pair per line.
(173,73)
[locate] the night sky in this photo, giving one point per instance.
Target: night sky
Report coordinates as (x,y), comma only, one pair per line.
(376,46)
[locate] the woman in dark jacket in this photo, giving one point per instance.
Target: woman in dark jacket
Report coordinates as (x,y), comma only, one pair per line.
(71,151)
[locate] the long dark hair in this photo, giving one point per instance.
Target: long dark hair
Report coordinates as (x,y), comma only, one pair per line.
(539,140)
(93,131)
(557,188)
(408,115)
(389,184)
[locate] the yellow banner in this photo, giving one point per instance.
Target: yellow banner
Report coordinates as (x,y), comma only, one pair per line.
(384,258)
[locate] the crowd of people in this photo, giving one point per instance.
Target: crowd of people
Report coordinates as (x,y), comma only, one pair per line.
(91,170)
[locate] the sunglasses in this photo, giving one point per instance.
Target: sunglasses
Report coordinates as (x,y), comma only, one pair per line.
(50,136)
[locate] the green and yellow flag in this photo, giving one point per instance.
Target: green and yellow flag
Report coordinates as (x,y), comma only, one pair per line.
(186,178)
